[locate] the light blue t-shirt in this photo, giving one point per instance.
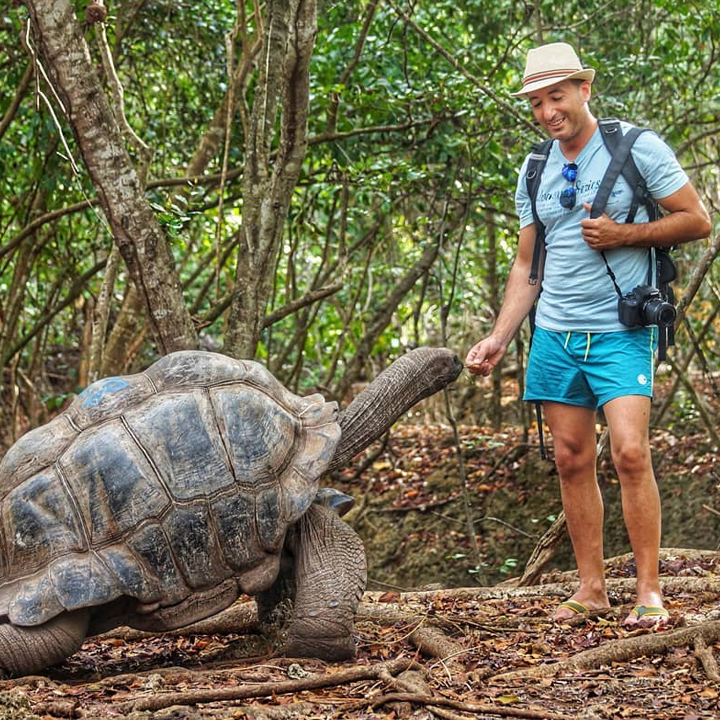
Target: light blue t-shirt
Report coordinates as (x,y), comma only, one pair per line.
(577,293)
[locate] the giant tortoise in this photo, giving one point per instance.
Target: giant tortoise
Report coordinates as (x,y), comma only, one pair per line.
(154,500)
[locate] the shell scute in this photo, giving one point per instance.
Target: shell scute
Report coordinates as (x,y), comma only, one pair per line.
(190,369)
(129,572)
(151,548)
(113,483)
(260,434)
(82,580)
(270,529)
(40,523)
(194,546)
(37,449)
(235,521)
(107,399)
(178,432)
(34,602)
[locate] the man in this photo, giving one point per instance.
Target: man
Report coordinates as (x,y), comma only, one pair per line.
(582,357)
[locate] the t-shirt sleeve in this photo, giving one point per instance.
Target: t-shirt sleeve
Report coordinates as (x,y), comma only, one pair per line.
(658,165)
(523,206)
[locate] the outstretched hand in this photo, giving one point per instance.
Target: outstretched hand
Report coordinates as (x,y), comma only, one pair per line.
(601,233)
(484,356)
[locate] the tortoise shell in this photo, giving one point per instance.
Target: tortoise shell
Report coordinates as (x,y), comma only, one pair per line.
(157,485)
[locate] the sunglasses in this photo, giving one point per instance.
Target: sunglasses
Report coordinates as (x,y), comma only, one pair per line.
(568,195)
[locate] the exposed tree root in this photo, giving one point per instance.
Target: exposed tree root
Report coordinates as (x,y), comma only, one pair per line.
(412,689)
(433,642)
(705,655)
(555,589)
(238,618)
(294,711)
(619,651)
(56,709)
(243,692)
(434,702)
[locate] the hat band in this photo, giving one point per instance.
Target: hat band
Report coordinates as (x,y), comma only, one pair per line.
(549,74)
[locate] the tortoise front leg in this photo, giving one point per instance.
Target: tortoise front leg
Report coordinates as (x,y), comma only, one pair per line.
(330,577)
(26,650)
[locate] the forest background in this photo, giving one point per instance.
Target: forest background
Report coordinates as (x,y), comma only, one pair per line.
(317,185)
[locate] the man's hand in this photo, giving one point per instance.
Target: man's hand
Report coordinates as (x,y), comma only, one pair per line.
(601,233)
(686,219)
(483,357)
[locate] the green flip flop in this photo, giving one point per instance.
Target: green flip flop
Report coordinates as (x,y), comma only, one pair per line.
(577,607)
(649,616)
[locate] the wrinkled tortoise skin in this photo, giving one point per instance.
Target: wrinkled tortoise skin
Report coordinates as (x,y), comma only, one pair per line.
(157,485)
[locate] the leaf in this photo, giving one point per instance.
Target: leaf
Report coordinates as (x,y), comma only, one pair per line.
(508,699)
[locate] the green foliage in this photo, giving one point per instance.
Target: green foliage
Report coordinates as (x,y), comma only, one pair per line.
(414,143)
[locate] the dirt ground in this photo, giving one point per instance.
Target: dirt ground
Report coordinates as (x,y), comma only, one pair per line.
(415,504)
(443,631)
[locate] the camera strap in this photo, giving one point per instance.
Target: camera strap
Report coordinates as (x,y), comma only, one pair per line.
(620,147)
(657,280)
(611,274)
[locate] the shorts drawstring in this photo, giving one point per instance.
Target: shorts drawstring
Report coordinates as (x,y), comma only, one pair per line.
(587,344)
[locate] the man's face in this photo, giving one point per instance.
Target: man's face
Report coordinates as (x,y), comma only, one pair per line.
(561,109)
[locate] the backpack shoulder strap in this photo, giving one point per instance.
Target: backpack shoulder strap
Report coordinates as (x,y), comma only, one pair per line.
(533,173)
(535,166)
(619,146)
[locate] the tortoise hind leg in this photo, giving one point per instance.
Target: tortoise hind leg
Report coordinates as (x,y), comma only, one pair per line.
(26,650)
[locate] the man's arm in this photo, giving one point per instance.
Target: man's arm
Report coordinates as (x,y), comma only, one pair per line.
(519,298)
(686,220)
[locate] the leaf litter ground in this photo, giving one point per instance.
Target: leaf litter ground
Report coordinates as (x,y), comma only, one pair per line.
(467,652)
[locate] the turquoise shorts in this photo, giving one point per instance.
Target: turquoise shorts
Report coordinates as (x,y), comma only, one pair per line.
(590,369)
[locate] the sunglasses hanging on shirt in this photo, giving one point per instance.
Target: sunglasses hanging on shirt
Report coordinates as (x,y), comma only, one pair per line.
(568,195)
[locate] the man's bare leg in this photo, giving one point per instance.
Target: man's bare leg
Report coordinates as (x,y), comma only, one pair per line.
(628,419)
(574,440)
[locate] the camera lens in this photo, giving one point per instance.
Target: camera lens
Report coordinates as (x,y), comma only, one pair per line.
(660,313)
(666,315)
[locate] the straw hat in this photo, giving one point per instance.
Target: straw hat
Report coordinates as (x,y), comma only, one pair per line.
(551,64)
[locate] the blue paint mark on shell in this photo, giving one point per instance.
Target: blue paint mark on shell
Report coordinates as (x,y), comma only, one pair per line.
(94,395)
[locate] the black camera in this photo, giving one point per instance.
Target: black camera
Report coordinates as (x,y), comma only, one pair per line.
(645,306)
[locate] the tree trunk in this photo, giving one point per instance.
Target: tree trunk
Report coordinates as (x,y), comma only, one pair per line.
(269,177)
(66,58)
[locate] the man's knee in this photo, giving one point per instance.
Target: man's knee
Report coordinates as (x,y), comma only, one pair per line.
(631,460)
(573,461)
